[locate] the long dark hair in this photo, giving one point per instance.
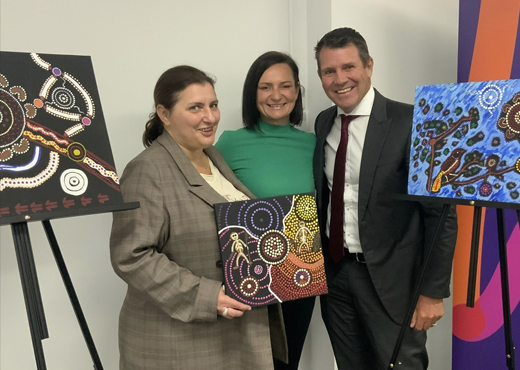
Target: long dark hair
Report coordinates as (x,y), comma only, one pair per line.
(250,113)
(166,93)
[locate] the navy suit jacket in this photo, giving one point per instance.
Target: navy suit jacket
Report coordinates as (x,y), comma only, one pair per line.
(393,233)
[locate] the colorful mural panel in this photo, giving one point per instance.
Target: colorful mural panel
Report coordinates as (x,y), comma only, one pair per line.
(478,332)
(55,156)
(271,249)
(466,141)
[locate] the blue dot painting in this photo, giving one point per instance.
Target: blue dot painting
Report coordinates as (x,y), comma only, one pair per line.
(465,141)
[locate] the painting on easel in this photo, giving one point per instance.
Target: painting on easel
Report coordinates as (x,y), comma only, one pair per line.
(465,141)
(55,155)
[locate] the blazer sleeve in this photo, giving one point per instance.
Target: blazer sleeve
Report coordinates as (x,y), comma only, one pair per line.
(437,278)
(136,242)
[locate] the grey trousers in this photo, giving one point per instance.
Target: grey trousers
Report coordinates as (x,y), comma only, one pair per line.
(362,333)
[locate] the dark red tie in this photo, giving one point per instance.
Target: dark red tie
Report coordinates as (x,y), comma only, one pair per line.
(337,204)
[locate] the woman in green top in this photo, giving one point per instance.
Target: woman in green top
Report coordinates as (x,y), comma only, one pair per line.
(272,157)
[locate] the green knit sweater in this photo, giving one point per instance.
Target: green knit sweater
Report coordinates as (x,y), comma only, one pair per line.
(270,160)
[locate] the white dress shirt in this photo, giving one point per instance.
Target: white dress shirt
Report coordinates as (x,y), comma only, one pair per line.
(357,130)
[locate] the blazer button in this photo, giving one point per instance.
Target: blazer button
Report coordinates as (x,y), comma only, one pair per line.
(219,264)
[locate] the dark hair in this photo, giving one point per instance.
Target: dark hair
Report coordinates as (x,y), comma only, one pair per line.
(341,37)
(250,113)
(166,93)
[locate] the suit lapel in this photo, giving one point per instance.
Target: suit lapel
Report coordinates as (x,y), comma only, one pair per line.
(219,162)
(378,126)
(197,184)
(322,131)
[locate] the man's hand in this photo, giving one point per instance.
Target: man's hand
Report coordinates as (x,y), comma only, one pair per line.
(427,312)
(230,308)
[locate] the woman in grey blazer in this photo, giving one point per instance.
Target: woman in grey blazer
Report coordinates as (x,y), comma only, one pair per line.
(176,314)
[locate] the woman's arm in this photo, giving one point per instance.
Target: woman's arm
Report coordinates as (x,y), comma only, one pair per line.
(136,238)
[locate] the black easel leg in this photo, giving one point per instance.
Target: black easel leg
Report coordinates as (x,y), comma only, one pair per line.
(72,294)
(504,278)
(31,290)
(416,292)
(473,260)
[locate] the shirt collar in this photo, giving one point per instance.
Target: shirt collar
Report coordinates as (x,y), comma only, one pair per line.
(364,108)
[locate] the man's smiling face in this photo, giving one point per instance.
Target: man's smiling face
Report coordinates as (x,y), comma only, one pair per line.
(343,76)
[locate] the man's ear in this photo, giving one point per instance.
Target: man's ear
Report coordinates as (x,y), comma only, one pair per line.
(370,67)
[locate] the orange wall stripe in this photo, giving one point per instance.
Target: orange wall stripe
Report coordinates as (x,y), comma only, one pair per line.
(492,60)
(495,40)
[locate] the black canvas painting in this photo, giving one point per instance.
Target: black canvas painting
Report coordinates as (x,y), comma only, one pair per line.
(55,156)
(271,249)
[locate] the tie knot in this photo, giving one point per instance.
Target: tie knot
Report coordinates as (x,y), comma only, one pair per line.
(345,120)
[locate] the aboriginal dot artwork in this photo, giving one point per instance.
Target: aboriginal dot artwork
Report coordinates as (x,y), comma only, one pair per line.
(465,141)
(271,249)
(55,155)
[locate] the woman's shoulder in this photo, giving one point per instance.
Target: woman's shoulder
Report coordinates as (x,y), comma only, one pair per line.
(235,133)
(232,137)
(149,153)
(303,135)
(148,159)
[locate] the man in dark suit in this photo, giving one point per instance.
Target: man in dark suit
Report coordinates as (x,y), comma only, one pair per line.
(374,245)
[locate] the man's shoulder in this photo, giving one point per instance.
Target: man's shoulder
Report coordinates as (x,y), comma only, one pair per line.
(400,106)
(395,107)
(328,112)
(326,115)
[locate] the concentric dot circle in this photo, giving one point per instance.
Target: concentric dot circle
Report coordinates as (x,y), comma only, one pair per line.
(273,247)
(258,269)
(259,216)
(63,98)
(76,151)
(249,286)
(305,208)
(302,277)
(513,118)
(490,97)
(74,182)
(12,122)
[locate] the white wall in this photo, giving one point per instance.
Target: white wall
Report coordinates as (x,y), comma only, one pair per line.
(131,42)
(311,19)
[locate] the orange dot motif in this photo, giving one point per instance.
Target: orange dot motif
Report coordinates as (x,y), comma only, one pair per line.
(38,103)
(304,210)
(302,273)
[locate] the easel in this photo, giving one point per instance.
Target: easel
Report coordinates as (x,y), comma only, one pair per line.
(31,288)
(447,203)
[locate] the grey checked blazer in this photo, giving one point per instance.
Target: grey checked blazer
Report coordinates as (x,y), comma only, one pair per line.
(167,252)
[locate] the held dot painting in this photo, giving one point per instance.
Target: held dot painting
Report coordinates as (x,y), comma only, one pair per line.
(465,141)
(271,250)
